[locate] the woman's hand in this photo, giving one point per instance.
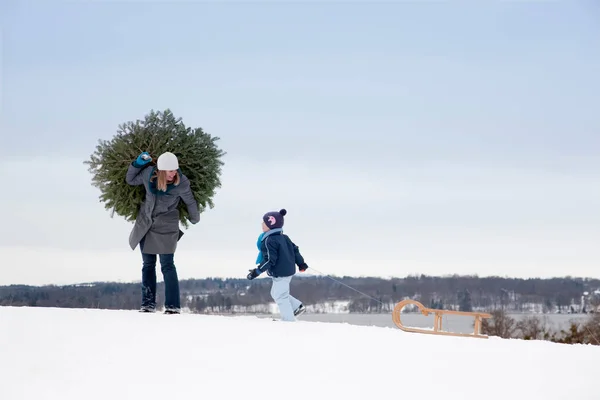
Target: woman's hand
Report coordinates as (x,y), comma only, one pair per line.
(143,159)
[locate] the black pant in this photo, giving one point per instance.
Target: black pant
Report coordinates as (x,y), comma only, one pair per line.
(167,267)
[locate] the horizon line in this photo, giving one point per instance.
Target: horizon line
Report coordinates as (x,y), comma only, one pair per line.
(322,276)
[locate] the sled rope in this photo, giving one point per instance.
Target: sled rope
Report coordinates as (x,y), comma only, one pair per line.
(349,287)
(594,336)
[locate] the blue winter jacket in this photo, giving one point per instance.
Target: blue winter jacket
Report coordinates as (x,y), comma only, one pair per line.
(279,254)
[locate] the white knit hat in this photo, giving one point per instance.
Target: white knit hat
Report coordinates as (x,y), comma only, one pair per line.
(167,162)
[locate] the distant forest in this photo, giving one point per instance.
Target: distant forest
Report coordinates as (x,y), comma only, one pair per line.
(377,295)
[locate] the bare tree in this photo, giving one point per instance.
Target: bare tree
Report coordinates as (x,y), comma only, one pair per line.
(534,328)
(500,325)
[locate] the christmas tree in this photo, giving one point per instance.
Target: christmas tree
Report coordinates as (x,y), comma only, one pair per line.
(199,160)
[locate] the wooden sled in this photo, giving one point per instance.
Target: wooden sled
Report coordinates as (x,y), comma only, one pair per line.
(437,323)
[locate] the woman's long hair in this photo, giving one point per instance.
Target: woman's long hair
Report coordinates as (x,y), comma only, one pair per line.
(161,180)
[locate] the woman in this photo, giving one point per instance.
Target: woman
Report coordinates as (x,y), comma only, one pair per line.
(156,228)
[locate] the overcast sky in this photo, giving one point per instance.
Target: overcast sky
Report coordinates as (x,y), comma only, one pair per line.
(402,137)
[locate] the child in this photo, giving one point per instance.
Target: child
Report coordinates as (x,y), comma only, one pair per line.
(279,257)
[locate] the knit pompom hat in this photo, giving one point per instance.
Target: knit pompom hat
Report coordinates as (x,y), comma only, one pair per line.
(274,219)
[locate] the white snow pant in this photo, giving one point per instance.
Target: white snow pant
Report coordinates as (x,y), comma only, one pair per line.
(280,291)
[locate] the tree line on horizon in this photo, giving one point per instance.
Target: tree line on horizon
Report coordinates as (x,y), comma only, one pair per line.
(221,295)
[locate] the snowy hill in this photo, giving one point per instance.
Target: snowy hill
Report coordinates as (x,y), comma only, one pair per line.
(78,354)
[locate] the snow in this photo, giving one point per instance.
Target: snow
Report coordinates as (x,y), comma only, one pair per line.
(53,353)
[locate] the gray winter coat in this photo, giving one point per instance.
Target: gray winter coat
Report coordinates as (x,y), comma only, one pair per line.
(158,217)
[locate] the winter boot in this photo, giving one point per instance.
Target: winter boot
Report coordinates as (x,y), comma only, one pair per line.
(300,310)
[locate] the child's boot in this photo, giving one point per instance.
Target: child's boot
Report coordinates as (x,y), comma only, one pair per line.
(299,310)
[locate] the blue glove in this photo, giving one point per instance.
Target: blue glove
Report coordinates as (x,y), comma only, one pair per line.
(143,159)
(253,273)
